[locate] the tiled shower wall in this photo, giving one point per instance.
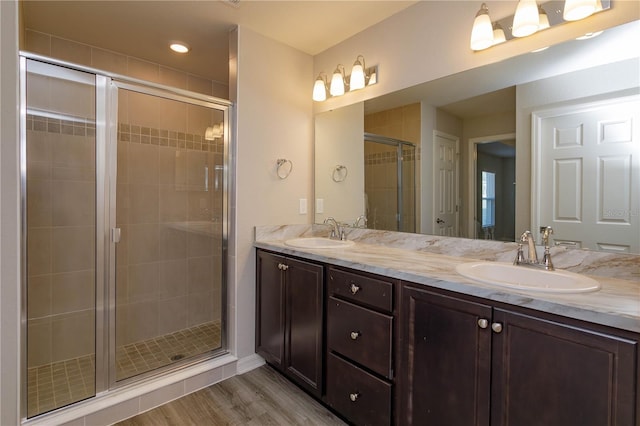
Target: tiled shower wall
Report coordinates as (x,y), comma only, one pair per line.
(399,123)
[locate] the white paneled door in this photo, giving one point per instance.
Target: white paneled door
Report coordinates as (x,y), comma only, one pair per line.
(591,194)
(445,189)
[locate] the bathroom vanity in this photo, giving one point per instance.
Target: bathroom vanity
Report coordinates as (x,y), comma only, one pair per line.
(391,335)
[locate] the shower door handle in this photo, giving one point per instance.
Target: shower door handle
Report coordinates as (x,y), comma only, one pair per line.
(115,235)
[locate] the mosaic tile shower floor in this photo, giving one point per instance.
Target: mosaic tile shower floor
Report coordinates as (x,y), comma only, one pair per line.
(61,383)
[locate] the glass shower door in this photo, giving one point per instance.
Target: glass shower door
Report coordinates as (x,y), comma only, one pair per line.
(169,216)
(390,183)
(59,229)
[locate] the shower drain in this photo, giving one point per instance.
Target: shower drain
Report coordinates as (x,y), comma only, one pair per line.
(177,357)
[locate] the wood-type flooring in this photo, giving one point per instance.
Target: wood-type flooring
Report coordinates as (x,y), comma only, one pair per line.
(261,397)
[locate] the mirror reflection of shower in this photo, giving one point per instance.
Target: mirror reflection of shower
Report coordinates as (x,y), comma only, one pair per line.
(390,183)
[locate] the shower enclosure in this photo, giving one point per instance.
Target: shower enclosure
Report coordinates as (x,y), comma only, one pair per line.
(390,183)
(124,230)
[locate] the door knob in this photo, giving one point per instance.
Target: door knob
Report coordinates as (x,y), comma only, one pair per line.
(496,327)
(438,220)
(483,323)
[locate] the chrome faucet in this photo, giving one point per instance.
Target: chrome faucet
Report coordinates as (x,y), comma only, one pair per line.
(527,237)
(362,218)
(337,233)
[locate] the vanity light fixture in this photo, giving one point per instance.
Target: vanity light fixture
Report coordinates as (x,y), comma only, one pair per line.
(529,18)
(526,20)
(482,31)
(360,77)
(179,47)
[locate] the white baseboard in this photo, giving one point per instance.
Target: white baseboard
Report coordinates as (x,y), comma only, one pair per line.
(249,363)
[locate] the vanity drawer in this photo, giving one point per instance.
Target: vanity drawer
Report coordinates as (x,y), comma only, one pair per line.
(373,292)
(359,396)
(363,335)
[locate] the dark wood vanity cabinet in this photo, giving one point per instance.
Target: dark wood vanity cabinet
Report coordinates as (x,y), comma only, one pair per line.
(466,362)
(289,317)
(360,346)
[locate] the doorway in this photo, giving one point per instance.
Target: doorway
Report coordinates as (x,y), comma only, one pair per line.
(493,181)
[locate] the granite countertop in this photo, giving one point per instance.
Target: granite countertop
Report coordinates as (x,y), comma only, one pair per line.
(616,304)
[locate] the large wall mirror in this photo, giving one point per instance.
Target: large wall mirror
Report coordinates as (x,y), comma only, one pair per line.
(546,138)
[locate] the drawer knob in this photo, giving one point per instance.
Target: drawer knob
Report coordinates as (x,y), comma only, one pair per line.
(354,396)
(483,323)
(282,266)
(496,327)
(354,288)
(355,335)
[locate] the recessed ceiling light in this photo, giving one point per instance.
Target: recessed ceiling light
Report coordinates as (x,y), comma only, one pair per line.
(180,47)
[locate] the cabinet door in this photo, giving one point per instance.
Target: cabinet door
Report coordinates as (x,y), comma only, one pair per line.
(546,373)
(305,284)
(270,299)
(446,360)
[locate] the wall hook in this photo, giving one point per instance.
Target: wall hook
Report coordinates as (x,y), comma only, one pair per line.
(284,168)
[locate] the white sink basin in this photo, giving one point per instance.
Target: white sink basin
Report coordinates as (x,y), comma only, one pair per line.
(318,243)
(527,278)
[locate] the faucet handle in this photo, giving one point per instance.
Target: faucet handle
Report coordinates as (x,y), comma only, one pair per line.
(519,256)
(546,231)
(525,237)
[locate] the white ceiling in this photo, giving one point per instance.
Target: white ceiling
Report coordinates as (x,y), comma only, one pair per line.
(143,29)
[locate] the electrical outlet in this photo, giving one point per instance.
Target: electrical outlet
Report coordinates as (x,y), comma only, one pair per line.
(319,205)
(302,209)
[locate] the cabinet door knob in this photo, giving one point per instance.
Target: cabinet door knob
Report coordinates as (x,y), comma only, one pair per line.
(282,266)
(355,335)
(354,396)
(354,288)
(497,327)
(483,323)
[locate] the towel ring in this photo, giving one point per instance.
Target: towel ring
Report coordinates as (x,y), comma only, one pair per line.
(339,173)
(282,170)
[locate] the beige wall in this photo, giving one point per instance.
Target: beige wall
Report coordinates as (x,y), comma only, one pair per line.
(434,40)
(273,121)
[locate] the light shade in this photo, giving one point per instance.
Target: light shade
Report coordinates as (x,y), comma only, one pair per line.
(498,34)
(575,10)
(526,20)
(320,89)
(482,31)
(356,81)
(337,83)
(543,19)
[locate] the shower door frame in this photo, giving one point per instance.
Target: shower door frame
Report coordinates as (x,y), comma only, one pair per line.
(399,144)
(106,123)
